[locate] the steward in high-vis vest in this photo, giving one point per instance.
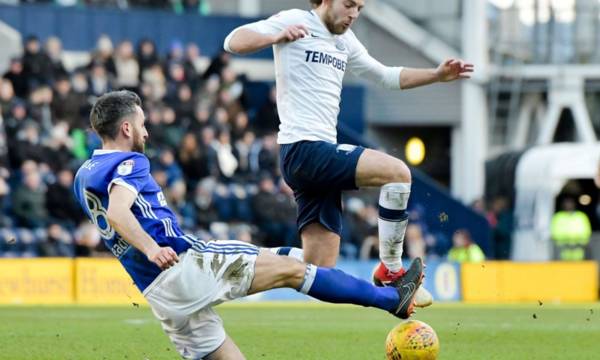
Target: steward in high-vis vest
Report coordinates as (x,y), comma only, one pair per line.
(570,231)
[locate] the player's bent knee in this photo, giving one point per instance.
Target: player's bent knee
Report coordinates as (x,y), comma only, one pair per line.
(295,275)
(399,172)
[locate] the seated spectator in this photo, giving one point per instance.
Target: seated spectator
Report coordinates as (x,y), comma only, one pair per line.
(17,78)
(126,67)
(225,157)
(464,249)
(29,145)
(29,202)
(61,203)
(146,55)
(67,105)
(99,82)
(103,55)
(7,97)
(57,243)
(88,241)
(414,241)
(274,214)
(36,64)
(55,52)
(267,118)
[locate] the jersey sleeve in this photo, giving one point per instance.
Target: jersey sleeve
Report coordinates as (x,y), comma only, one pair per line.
(133,173)
(361,64)
(270,26)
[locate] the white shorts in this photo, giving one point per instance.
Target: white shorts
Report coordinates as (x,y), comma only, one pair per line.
(182,297)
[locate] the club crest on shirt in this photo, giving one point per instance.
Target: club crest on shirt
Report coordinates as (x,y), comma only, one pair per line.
(339,44)
(125,168)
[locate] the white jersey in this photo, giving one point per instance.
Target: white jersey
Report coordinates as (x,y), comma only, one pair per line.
(309,74)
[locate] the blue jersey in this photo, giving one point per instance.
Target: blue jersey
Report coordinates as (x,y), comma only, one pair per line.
(131,170)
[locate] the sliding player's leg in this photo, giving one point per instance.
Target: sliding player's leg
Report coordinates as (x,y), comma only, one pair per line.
(227,351)
(335,286)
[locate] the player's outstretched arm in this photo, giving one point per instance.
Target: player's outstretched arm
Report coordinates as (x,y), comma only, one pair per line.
(449,70)
(125,224)
(244,41)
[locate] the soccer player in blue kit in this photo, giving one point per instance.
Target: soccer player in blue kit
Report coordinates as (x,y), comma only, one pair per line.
(312,51)
(181,277)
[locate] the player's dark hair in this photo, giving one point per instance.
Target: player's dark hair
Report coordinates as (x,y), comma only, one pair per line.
(315,3)
(108,112)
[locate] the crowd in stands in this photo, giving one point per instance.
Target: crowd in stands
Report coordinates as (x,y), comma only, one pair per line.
(217,164)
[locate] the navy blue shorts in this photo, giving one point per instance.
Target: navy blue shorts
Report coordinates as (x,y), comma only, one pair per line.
(318,172)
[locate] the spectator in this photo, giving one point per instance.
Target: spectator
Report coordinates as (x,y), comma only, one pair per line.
(217,64)
(415,245)
(206,212)
(243,147)
(40,109)
(67,104)
(272,212)
(264,157)
(191,64)
(87,240)
(103,55)
(147,55)
(29,202)
(225,158)
(184,105)
(126,67)
(60,202)
(7,97)
(155,83)
(170,167)
(58,243)
(17,78)
(59,147)
(99,82)
(193,162)
(464,249)
(54,52)
(29,145)
(36,64)
(267,118)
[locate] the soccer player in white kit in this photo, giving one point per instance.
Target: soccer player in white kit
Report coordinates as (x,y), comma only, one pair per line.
(313,50)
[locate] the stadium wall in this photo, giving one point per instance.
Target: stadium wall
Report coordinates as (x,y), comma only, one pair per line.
(103,281)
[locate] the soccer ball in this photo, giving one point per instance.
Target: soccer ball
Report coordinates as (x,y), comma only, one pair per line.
(412,340)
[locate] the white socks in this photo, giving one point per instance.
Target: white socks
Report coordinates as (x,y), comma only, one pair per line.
(393,219)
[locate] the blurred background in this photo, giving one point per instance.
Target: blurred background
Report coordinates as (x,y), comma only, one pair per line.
(503,164)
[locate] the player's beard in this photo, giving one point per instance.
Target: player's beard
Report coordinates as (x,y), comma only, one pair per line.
(336,28)
(138,142)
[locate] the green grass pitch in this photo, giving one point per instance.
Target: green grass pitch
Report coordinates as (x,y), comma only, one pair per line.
(305,331)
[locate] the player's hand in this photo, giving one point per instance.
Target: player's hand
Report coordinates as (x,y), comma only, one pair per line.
(453,69)
(163,257)
(291,33)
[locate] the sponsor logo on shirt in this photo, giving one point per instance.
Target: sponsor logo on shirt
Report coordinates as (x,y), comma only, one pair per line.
(324,58)
(125,168)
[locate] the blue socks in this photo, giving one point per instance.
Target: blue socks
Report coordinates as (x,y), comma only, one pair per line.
(335,286)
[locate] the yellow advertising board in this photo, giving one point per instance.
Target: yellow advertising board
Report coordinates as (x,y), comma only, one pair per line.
(504,281)
(104,281)
(36,281)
